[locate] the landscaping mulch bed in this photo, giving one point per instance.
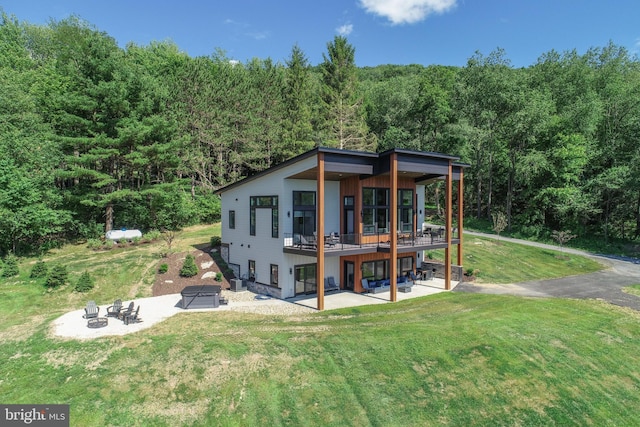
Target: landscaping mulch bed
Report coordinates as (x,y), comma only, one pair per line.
(172,283)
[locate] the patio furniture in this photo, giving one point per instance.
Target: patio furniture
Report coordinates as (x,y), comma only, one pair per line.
(97,322)
(413,277)
(126,312)
(330,284)
(404,284)
(114,310)
(375,287)
(304,243)
(132,317)
(91,310)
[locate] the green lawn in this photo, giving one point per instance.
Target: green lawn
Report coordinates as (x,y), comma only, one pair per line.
(496,261)
(449,359)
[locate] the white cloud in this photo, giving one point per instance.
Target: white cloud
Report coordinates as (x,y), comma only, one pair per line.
(345,30)
(407,11)
(258,35)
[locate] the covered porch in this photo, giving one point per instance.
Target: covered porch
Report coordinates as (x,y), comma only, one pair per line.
(345,299)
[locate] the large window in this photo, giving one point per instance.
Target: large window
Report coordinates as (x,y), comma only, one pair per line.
(375,210)
(405,265)
(304,212)
(379,270)
(375,270)
(263,202)
(405,211)
(232,219)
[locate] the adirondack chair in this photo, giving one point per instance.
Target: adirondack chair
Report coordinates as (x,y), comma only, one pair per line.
(126,312)
(114,310)
(91,310)
(132,317)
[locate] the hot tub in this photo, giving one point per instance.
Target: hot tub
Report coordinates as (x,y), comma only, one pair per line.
(201,296)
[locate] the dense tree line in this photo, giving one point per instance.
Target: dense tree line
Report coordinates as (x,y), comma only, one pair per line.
(94,136)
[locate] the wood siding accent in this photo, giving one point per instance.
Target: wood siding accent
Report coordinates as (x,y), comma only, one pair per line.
(353,187)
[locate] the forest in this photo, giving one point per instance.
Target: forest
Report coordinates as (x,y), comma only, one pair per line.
(94,136)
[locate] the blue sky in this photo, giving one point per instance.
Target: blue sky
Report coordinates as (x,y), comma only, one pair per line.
(426,32)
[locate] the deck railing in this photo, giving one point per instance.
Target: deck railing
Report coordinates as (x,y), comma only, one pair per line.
(339,242)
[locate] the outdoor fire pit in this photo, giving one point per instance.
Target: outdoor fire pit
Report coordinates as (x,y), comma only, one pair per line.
(201,296)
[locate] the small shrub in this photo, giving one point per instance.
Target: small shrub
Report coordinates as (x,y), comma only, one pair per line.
(94,244)
(85,283)
(218,277)
(189,268)
(109,244)
(216,241)
(163,268)
(123,242)
(39,270)
(469,272)
(136,240)
(10,267)
(152,235)
(57,276)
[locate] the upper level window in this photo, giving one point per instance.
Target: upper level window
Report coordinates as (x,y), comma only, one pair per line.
(405,210)
(304,212)
(375,210)
(266,202)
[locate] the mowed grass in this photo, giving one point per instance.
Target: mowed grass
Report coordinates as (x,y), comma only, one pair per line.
(451,359)
(495,261)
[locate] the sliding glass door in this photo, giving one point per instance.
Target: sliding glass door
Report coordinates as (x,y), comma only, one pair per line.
(305,278)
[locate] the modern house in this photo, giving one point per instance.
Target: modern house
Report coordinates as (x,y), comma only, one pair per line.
(348,215)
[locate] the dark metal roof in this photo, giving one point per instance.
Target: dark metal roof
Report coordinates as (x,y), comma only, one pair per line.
(335,155)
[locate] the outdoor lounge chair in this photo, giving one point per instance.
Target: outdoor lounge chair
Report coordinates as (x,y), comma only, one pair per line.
(132,317)
(413,277)
(330,284)
(91,310)
(114,310)
(304,243)
(126,312)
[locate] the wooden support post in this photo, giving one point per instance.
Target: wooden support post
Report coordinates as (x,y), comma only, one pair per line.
(448,224)
(320,232)
(460,215)
(393,245)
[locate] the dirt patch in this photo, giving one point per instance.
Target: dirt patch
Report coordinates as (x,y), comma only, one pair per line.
(172,283)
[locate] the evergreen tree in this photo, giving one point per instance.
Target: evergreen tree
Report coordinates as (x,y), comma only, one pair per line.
(57,276)
(39,270)
(298,123)
(10,267)
(344,110)
(85,282)
(189,268)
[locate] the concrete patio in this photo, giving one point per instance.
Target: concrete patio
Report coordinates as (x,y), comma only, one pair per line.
(156,309)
